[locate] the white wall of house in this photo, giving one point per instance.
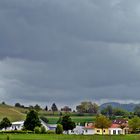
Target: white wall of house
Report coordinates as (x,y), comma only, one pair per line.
(115,131)
(78,130)
(89,131)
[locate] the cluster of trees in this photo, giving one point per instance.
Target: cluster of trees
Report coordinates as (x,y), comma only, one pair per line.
(38,107)
(87,107)
(110,111)
(134,124)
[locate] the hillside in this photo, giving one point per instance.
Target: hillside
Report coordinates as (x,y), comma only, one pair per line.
(13,113)
(129,107)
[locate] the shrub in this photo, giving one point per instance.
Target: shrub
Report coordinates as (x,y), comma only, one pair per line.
(50,132)
(37,130)
(43,129)
(59,129)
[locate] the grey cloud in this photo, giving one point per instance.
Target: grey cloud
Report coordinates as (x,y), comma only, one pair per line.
(68,51)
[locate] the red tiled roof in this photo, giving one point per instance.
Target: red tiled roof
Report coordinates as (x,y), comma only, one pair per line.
(115,125)
(90,126)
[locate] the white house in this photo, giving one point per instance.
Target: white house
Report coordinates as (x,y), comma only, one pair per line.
(115,130)
(17,125)
(78,130)
(89,129)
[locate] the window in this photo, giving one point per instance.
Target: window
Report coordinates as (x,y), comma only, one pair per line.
(119,132)
(98,131)
(104,131)
(114,132)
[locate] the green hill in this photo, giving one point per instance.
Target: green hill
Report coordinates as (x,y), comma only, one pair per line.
(13,113)
(18,114)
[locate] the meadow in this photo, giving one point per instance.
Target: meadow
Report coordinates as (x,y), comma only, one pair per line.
(76,119)
(65,137)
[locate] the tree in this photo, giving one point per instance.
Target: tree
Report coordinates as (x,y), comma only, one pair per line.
(59,129)
(102,122)
(37,107)
(43,130)
(120,112)
(95,108)
(108,111)
(37,130)
(67,123)
(137,110)
(59,120)
(17,105)
(5,123)
(32,120)
(3,103)
(46,108)
(134,124)
(54,108)
(66,109)
(87,107)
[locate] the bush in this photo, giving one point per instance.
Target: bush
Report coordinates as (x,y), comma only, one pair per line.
(50,132)
(43,130)
(59,129)
(37,130)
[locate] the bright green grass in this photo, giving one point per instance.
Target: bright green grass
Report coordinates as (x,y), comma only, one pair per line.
(83,119)
(66,137)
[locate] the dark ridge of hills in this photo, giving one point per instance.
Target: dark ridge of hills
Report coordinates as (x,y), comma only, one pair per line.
(129,107)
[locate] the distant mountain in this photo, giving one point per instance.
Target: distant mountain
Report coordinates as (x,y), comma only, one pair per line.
(129,107)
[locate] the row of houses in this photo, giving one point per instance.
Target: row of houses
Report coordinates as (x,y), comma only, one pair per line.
(89,128)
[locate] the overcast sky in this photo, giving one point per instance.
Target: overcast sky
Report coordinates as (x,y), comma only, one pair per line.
(67,51)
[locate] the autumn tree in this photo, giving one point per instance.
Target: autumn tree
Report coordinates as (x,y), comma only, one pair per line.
(102,122)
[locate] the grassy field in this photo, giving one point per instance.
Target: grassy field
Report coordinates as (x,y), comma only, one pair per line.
(76,119)
(11,112)
(17,114)
(66,137)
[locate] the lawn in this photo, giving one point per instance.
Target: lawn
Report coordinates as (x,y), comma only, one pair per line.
(66,137)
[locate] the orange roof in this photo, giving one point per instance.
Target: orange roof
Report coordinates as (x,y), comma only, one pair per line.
(90,126)
(115,125)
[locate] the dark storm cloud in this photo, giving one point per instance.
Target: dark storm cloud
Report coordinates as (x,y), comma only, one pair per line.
(67,50)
